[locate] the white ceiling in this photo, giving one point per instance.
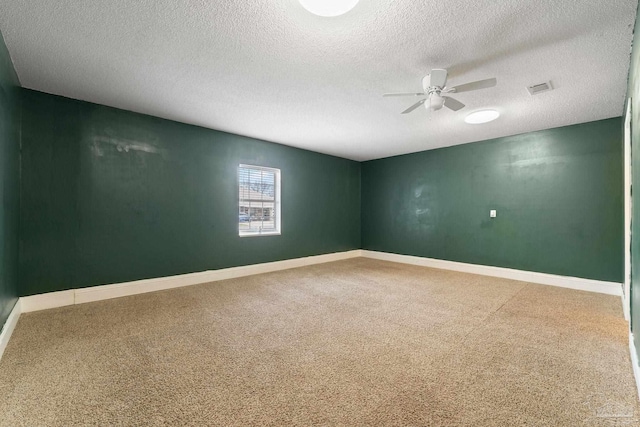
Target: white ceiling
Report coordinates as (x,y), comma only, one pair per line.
(270,70)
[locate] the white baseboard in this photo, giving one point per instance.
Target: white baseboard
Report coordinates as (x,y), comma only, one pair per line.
(9,326)
(102,292)
(609,288)
(626,307)
(98,293)
(47,301)
(634,362)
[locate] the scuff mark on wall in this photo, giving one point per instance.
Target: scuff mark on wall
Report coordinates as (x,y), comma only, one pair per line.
(123,145)
(416,214)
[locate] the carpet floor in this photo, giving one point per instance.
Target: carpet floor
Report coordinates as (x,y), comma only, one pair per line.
(350,343)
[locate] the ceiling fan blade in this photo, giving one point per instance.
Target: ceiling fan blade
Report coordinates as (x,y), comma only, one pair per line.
(438,77)
(480,84)
(405,94)
(414,106)
(452,104)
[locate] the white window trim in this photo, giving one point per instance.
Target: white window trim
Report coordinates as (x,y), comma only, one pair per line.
(277,205)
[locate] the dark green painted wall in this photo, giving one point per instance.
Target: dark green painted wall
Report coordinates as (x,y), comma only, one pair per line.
(110,196)
(633,92)
(557,192)
(9,182)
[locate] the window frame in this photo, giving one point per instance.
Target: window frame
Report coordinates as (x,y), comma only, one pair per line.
(277,203)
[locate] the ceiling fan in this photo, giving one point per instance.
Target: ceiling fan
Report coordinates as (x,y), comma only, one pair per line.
(434,87)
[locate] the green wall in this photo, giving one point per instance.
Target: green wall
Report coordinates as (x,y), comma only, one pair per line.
(557,192)
(110,196)
(634,93)
(9,182)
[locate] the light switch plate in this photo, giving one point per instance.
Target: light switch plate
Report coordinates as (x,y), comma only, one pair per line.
(493,213)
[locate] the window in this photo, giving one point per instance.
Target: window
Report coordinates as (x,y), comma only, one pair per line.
(259,201)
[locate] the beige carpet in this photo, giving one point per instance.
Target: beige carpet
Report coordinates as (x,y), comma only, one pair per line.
(350,343)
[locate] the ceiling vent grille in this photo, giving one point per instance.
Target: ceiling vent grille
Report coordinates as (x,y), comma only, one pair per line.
(539,88)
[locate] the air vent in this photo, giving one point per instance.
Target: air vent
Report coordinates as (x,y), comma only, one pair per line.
(539,88)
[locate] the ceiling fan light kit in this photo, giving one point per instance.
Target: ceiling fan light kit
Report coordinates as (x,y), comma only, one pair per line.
(436,102)
(328,8)
(434,86)
(482,116)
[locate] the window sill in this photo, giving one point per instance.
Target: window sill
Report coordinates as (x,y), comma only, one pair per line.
(256,234)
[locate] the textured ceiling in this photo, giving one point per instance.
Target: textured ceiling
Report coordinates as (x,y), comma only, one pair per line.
(270,70)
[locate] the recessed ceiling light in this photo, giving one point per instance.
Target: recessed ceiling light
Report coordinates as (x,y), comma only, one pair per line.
(482,116)
(328,7)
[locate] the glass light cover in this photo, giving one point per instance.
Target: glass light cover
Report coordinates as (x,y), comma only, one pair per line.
(482,116)
(328,7)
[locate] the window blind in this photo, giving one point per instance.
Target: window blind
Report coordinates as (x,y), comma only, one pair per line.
(258,200)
